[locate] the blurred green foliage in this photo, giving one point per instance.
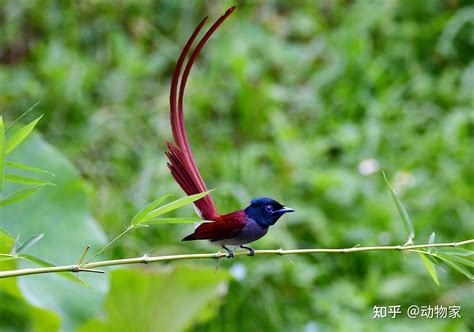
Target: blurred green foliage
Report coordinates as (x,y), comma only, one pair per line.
(299,101)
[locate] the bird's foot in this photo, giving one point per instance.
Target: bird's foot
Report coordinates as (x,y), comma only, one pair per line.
(251,251)
(230,252)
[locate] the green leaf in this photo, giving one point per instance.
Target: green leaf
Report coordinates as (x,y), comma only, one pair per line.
(447,259)
(430,268)
(174,205)
(19,195)
(6,238)
(163,300)
(431,240)
(20,135)
(456,251)
(401,210)
(43,263)
(147,209)
(16,244)
(13,178)
(21,117)
(28,243)
(457,258)
(44,320)
(64,214)
(160,221)
(41,319)
(27,168)
(7,257)
(2,153)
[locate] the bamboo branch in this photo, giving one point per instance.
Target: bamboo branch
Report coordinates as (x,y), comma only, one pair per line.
(90,267)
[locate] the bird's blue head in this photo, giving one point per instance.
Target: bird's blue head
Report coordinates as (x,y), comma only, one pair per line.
(266,211)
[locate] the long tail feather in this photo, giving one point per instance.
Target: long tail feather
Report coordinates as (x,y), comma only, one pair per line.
(181,160)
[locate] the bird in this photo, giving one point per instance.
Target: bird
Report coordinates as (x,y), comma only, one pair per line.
(237,228)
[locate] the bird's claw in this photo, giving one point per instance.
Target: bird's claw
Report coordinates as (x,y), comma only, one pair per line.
(230,252)
(251,251)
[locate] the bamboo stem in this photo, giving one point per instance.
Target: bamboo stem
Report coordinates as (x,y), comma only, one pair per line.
(89,267)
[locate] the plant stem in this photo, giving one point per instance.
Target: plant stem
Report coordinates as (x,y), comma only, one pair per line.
(128,229)
(151,259)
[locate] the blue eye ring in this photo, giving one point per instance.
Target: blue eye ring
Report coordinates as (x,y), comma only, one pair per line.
(269,208)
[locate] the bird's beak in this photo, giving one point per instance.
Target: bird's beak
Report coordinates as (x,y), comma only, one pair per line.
(285,209)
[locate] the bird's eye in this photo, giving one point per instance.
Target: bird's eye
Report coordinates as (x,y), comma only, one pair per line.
(269,208)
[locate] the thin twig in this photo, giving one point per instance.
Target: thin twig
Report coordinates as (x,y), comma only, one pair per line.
(128,229)
(89,267)
(86,250)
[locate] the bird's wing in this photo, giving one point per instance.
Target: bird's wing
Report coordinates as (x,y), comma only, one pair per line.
(225,227)
(181,160)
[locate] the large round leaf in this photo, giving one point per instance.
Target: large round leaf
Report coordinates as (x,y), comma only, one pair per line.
(16,314)
(62,213)
(167,300)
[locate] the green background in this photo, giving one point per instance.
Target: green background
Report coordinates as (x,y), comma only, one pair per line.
(286,101)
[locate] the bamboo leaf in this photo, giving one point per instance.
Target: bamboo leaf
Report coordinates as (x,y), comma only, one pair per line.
(175,205)
(13,178)
(21,117)
(430,268)
(18,195)
(456,251)
(20,135)
(461,269)
(43,263)
(160,221)
(30,242)
(147,209)
(27,168)
(7,257)
(2,152)
(459,259)
(6,238)
(16,244)
(401,210)
(431,240)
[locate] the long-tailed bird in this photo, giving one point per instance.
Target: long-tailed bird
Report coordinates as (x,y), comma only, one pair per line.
(236,228)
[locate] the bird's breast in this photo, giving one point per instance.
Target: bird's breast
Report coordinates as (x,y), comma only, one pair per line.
(251,232)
